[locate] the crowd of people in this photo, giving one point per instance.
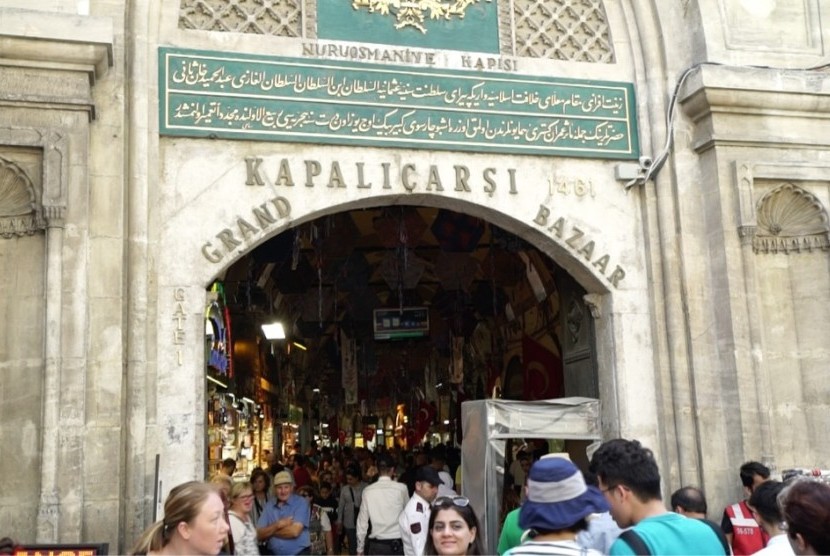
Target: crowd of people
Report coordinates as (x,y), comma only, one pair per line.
(358,502)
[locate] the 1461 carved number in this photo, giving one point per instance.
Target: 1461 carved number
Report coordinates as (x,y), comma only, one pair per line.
(578,187)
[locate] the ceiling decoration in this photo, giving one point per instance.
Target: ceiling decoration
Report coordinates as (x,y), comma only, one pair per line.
(456,232)
(456,271)
(398,226)
(401,268)
(330,274)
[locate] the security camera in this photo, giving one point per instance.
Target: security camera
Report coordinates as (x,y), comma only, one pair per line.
(646,162)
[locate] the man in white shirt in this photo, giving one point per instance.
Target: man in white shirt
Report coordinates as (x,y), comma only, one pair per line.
(414,519)
(383,501)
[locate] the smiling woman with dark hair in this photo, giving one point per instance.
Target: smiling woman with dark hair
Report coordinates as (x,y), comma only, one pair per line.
(261,485)
(453,528)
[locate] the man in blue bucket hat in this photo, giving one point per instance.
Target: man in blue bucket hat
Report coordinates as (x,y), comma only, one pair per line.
(557,507)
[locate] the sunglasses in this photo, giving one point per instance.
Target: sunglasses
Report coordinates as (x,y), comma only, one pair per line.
(459,501)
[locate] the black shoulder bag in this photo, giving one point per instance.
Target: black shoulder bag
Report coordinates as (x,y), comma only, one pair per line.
(636,542)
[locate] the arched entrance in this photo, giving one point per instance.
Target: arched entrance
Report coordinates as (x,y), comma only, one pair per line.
(395,310)
(232,220)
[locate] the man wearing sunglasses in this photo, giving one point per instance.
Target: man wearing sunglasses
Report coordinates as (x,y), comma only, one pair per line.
(414,519)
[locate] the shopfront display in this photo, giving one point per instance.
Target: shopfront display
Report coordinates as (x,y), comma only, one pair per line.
(239,418)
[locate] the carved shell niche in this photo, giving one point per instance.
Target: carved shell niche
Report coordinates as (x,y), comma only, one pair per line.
(791,219)
(18,204)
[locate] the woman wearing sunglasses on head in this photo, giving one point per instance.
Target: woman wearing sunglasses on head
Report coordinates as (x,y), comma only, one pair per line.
(453,528)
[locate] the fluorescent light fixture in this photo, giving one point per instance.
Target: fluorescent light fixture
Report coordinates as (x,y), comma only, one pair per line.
(446,421)
(315,390)
(273,331)
(210,378)
(298,345)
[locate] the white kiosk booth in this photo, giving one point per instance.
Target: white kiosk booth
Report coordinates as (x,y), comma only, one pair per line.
(488,424)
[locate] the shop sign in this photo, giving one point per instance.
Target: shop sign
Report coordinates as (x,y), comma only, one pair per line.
(252,97)
(61,549)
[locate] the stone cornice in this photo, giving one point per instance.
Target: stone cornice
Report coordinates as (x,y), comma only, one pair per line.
(757,106)
(56,41)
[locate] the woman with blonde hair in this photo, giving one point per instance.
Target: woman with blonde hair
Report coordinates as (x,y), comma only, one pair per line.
(242,528)
(193,523)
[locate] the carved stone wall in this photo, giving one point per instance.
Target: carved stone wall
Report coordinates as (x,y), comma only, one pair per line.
(49,340)
(791,219)
(20,206)
(791,245)
(22,270)
(279,18)
(714,352)
(571,30)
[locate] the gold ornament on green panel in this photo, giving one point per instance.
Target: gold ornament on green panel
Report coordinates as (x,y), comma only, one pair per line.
(414,12)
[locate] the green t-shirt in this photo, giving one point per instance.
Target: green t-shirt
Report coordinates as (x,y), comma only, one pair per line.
(511,533)
(672,534)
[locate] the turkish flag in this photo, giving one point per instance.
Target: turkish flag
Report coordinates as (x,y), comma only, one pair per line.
(426,414)
(544,377)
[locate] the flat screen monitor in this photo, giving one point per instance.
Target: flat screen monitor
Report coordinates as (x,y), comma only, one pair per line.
(397,323)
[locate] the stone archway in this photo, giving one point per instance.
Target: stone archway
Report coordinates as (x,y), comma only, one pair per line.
(216,195)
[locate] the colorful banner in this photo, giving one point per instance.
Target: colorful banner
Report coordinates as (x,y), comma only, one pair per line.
(348,362)
(457,362)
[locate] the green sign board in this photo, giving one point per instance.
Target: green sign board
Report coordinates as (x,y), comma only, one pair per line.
(470,25)
(236,96)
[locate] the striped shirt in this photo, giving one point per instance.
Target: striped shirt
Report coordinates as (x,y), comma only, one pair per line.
(562,548)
